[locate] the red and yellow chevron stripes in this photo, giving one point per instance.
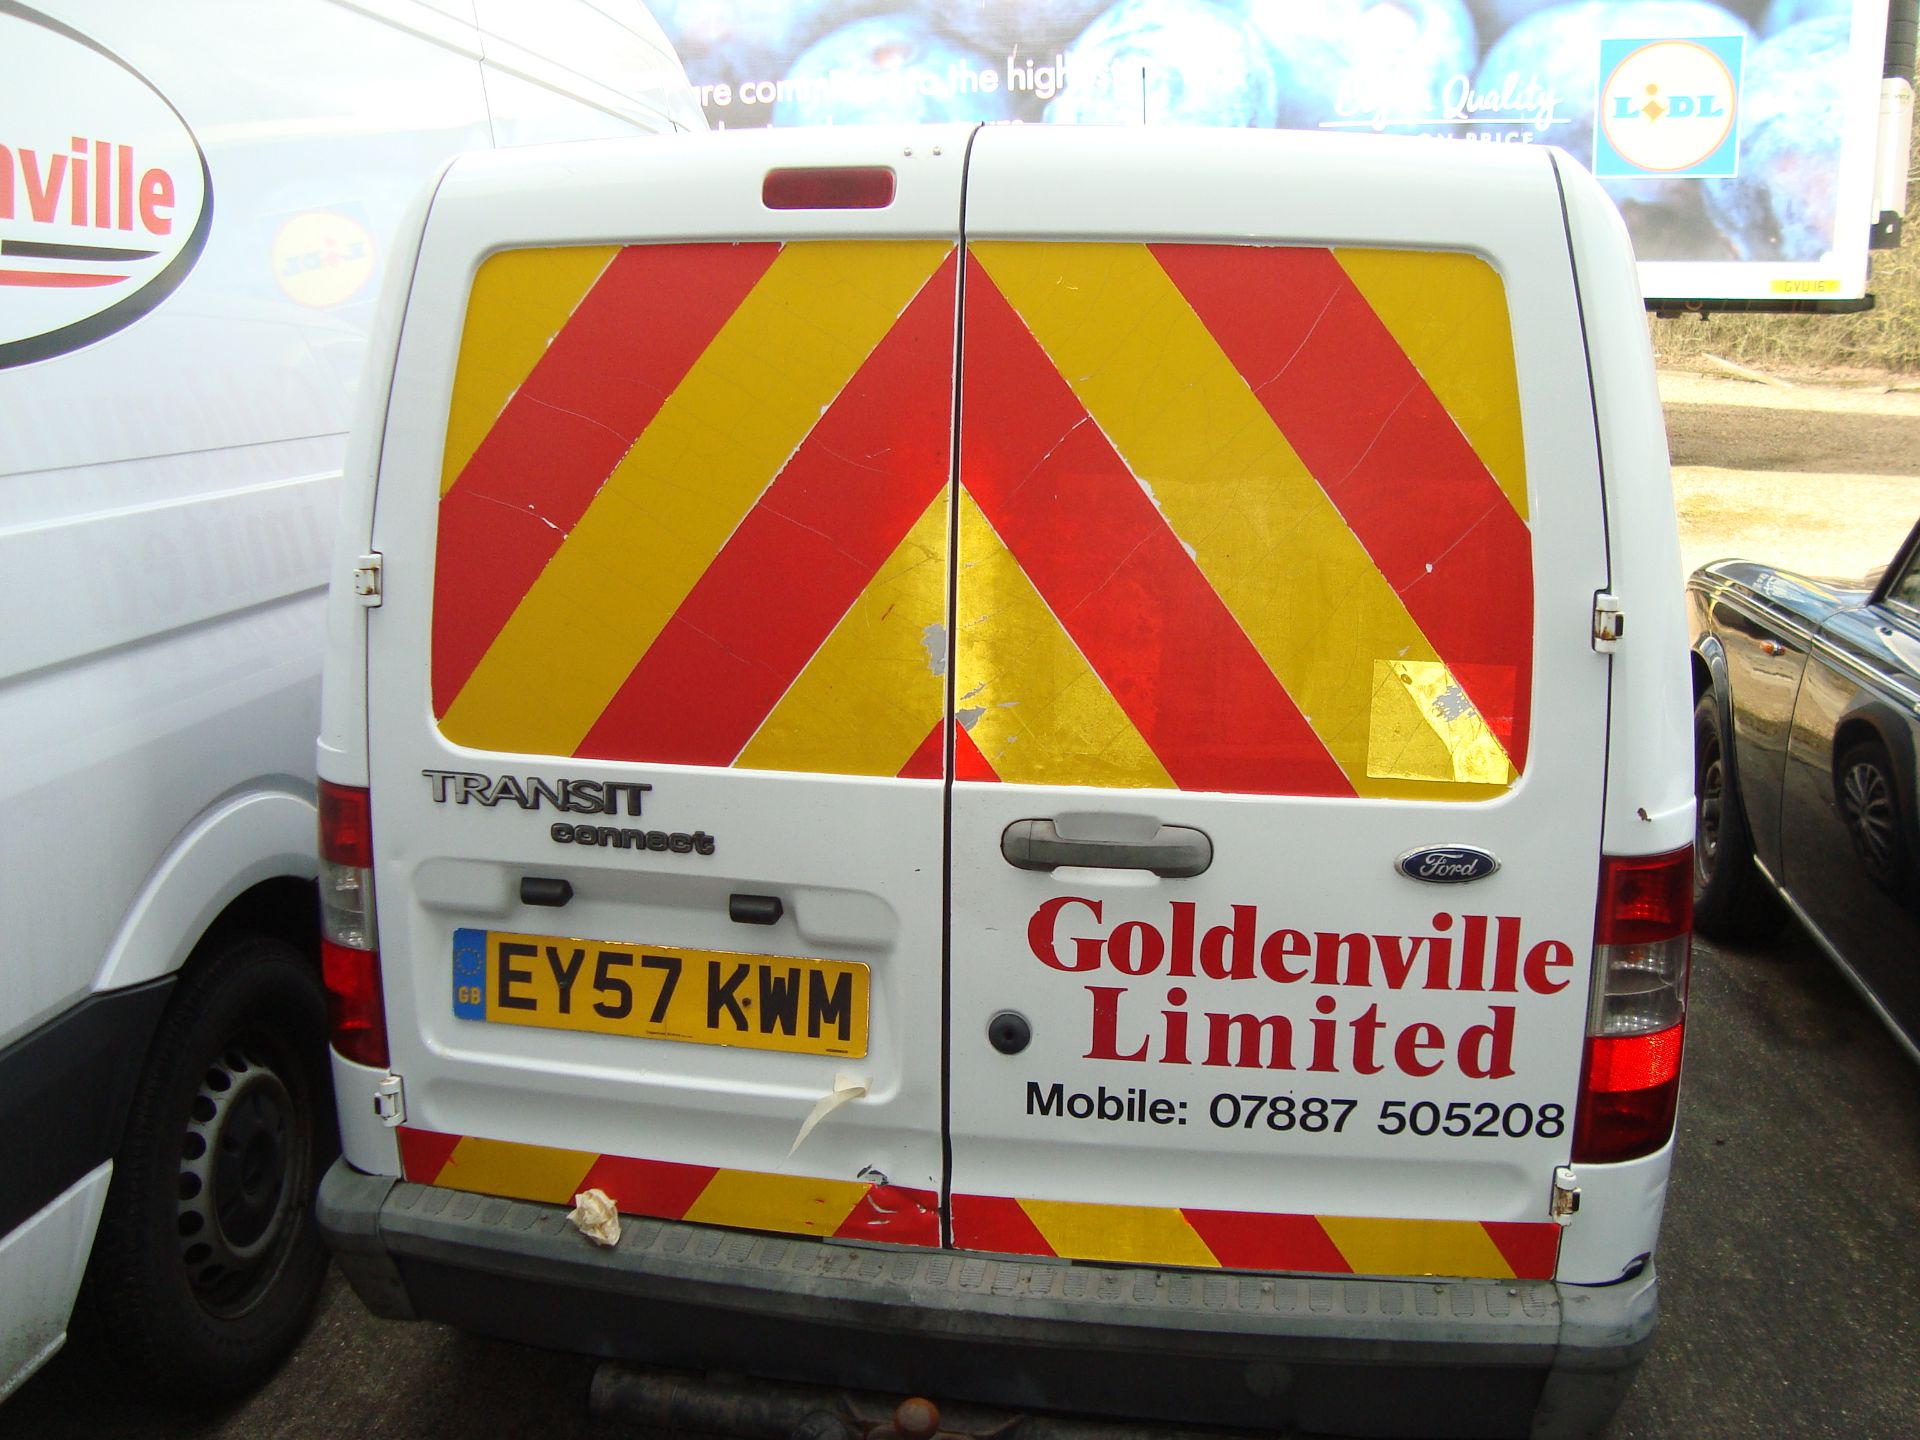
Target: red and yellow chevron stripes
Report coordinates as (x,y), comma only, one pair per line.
(1242,1240)
(666,1190)
(900,1215)
(1231,517)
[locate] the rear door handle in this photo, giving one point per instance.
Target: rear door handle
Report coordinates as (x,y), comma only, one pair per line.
(1174,852)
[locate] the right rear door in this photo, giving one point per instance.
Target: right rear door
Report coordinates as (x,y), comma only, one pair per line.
(1279,524)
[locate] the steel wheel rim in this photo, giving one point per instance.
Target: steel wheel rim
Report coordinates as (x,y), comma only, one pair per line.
(243,1171)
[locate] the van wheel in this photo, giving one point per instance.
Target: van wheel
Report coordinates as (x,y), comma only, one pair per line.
(1864,777)
(208,1259)
(1731,899)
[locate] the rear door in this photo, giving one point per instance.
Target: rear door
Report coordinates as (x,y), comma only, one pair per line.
(1278,530)
(657,686)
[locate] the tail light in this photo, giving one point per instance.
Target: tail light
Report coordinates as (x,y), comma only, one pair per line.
(349,954)
(1637,1020)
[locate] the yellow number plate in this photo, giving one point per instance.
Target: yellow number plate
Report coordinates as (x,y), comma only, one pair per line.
(662,992)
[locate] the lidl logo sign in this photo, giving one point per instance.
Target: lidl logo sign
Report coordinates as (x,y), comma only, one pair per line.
(1669,107)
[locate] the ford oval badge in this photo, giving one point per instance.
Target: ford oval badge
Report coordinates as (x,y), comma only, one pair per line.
(1447,864)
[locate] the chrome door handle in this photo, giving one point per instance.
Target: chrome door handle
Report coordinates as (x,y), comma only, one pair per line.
(1173,852)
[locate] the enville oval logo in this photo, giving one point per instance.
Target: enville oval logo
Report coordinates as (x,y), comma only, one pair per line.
(105,195)
(1668,107)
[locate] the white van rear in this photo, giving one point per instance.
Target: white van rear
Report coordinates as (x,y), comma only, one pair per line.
(1052,696)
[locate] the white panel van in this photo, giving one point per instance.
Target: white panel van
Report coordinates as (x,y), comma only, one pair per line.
(1057,759)
(197,204)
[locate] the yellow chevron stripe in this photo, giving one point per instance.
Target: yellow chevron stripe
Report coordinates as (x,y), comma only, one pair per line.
(1416,1247)
(791,1204)
(1274,548)
(520,301)
(877,684)
(521,1172)
(1145,1234)
(689,479)
(1448,311)
(1044,716)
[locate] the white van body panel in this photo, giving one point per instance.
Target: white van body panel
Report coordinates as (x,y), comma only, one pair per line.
(41,1263)
(168,491)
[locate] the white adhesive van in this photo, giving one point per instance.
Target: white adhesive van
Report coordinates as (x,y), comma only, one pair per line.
(197,202)
(1058,758)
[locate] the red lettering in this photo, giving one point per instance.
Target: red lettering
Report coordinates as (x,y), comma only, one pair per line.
(1281,946)
(1213,946)
(1367,1026)
(1086,953)
(1328,948)
(1473,953)
(43,191)
(1411,1041)
(156,194)
(1506,954)
(1250,1031)
(1180,951)
(1120,948)
(123,186)
(1398,955)
(1554,954)
(1173,1050)
(1323,1034)
(1486,1051)
(1106,1024)
(102,184)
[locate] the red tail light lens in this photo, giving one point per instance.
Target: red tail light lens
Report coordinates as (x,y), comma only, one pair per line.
(356,1012)
(349,948)
(840,187)
(1636,1023)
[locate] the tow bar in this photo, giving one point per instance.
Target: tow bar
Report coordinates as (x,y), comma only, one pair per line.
(750,1409)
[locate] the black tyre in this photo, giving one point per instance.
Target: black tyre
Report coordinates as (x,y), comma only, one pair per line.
(1870,806)
(208,1260)
(1731,898)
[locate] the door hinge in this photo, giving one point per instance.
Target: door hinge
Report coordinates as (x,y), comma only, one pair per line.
(1565,1203)
(366,579)
(1609,622)
(390,1101)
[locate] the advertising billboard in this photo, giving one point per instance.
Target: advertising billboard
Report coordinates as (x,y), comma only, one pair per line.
(1738,138)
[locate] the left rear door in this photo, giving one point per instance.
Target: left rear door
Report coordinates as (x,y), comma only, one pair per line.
(656,692)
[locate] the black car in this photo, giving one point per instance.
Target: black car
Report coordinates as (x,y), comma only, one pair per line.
(1805,735)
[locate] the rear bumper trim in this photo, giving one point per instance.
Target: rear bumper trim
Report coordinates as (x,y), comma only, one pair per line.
(1273,1351)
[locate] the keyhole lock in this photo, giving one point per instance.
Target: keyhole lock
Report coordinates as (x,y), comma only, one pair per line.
(1009,1033)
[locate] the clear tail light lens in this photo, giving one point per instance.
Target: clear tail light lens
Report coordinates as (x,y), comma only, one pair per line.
(349,953)
(1636,1023)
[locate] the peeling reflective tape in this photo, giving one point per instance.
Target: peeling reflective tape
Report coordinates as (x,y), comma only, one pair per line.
(627,345)
(1041,714)
(808,547)
(1448,312)
(1244,1240)
(741,412)
(1425,728)
(1100,554)
(519,301)
(1396,465)
(1263,530)
(868,698)
(669,1190)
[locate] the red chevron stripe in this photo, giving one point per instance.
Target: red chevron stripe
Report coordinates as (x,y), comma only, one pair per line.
(801,557)
(662,1188)
(894,1215)
(1243,1241)
(1530,1248)
(630,342)
(1387,454)
(996,1224)
(424,1153)
(1115,575)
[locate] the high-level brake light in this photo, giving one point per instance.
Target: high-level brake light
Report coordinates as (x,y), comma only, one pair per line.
(838,187)
(1636,1022)
(349,957)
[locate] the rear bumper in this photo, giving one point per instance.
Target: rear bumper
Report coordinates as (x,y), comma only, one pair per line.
(1321,1355)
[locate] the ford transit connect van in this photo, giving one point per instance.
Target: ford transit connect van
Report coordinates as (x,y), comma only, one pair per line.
(1056,758)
